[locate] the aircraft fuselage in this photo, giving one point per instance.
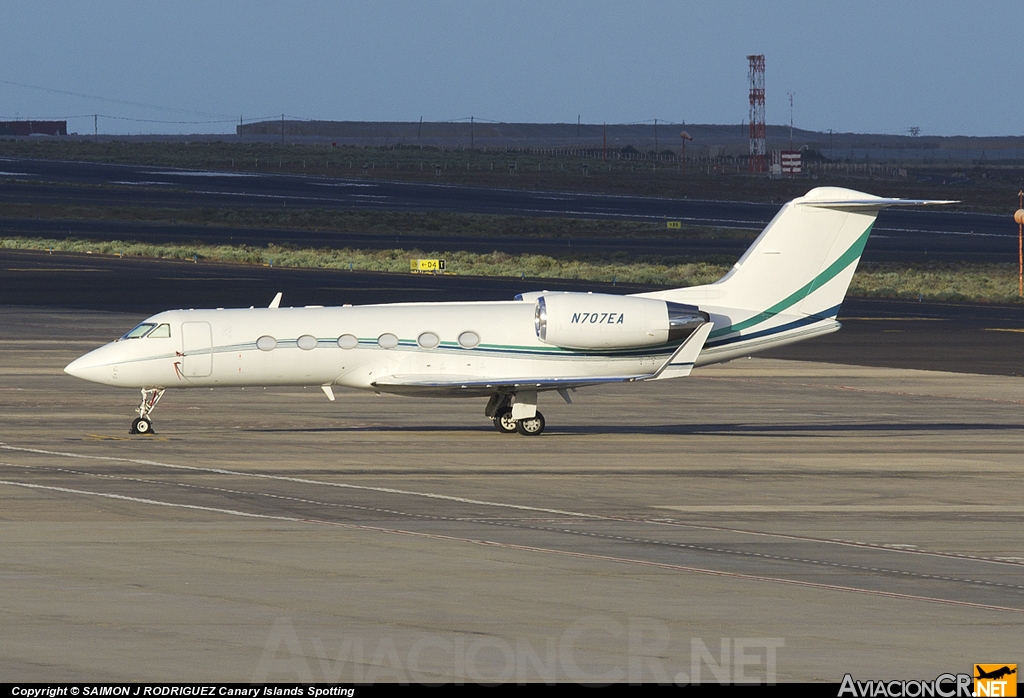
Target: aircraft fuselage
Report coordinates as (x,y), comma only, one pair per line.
(354,347)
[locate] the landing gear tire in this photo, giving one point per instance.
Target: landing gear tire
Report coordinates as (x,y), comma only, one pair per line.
(503,421)
(141,425)
(531,426)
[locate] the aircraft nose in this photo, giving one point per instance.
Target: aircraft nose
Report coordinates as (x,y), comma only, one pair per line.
(89,367)
(78,367)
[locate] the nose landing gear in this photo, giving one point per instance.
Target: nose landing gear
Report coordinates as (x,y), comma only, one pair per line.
(143,424)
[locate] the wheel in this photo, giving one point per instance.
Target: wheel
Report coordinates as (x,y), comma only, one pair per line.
(503,421)
(141,425)
(532,426)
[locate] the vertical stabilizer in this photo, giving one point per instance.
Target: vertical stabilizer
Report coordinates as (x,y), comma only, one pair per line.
(791,281)
(804,259)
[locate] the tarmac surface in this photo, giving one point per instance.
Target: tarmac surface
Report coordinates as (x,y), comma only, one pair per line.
(900,235)
(762,520)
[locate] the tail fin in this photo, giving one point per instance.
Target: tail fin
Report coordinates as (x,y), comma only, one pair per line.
(796,272)
(805,258)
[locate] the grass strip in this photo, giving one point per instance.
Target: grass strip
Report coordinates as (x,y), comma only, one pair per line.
(978,283)
(986,283)
(671,271)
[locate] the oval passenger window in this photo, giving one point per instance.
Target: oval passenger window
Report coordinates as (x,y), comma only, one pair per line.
(348,341)
(469,339)
(387,340)
(266,343)
(307,342)
(428,340)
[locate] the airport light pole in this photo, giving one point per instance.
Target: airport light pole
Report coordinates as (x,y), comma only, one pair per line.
(791,121)
(683,136)
(1019,217)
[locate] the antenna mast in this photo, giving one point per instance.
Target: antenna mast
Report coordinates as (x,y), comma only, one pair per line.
(757,122)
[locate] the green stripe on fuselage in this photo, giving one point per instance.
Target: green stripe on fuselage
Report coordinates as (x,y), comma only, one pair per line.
(846,259)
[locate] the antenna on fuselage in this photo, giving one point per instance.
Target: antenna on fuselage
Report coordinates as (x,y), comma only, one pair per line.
(276,303)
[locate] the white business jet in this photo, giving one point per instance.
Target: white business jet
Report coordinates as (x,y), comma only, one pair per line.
(787,287)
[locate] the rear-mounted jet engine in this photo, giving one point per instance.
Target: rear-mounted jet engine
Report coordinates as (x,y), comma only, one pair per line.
(603,321)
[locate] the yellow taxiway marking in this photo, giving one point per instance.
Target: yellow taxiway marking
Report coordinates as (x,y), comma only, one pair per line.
(1003,329)
(105,437)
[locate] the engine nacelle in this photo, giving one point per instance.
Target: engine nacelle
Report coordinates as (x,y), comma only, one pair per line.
(603,321)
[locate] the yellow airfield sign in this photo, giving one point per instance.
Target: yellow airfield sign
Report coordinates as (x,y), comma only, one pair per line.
(426,265)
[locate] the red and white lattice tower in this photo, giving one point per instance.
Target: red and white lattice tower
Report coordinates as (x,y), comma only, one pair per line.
(757,122)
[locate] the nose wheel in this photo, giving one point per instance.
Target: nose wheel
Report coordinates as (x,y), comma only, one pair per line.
(143,424)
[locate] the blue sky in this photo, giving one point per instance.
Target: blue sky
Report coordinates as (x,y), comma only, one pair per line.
(949,68)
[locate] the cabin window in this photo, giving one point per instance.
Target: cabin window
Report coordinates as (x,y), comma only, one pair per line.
(469,339)
(348,341)
(139,330)
(162,331)
(387,341)
(428,340)
(266,343)
(306,342)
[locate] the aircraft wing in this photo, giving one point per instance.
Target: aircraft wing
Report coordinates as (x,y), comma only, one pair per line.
(678,365)
(431,386)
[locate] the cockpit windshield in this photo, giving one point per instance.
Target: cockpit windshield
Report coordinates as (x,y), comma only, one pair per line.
(139,331)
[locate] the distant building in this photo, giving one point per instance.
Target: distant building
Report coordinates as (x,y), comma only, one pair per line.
(818,150)
(29,128)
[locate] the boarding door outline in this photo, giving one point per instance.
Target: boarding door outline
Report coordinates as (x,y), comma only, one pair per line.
(196,349)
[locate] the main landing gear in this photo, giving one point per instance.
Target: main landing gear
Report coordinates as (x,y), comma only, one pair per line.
(516,412)
(143,424)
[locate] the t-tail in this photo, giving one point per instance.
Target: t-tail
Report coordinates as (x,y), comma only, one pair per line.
(790,283)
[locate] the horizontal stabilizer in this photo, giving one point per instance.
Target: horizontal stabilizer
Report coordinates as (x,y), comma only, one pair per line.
(873,203)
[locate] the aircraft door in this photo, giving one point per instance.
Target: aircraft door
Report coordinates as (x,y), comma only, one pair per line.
(197,349)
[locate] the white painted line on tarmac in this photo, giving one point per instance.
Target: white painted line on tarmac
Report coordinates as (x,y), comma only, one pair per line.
(970,233)
(519,507)
(522,548)
(304,481)
(196,173)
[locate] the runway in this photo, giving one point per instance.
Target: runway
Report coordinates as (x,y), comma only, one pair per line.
(772,520)
(900,235)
